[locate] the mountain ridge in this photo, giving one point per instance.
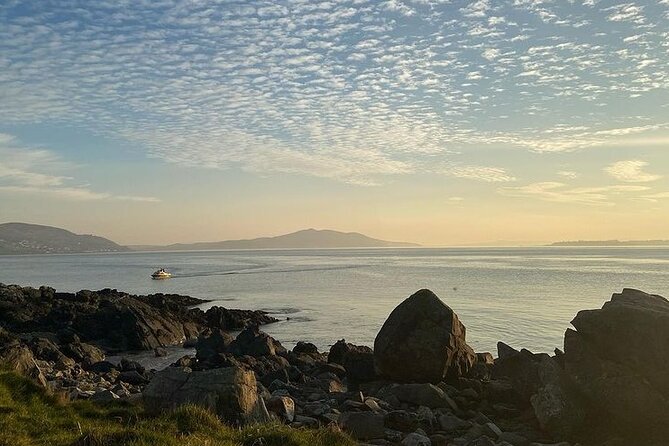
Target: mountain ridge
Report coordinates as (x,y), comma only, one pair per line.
(302,239)
(28,238)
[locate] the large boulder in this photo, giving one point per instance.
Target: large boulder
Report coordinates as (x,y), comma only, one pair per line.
(230,392)
(422,341)
(618,358)
(18,357)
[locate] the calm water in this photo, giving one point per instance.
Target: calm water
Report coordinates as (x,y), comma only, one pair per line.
(525,296)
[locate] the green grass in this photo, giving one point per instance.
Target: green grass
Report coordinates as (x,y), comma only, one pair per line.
(30,417)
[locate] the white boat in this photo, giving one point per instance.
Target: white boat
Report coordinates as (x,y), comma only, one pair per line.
(161,274)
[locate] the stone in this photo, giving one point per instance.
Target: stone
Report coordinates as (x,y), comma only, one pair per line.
(514,439)
(102,367)
(128,365)
(451,423)
(20,358)
(362,425)
(282,406)
(617,358)
(422,341)
(211,343)
(84,353)
(340,350)
(505,351)
(359,367)
(521,369)
(557,407)
(231,393)
(439,440)
(253,342)
(104,396)
(401,420)
(303,421)
(416,439)
(492,430)
(160,352)
(234,320)
(427,395)
(133,377)
(306,348)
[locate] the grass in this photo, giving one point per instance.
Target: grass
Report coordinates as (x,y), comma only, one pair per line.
(30,417)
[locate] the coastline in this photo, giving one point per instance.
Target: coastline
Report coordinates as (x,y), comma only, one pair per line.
(421,383)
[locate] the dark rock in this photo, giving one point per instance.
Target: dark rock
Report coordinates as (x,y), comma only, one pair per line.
(234,320)
(422,341)
(133,377)
(427,395)
(305,348)
(341,348)
(104,396)
(212,343)
(521,369)
(505,351)
(557,406)
(619,361)
(401,420)
(254,342)
(84,353)
(115,320)
(102,367)
(362,425)
(359,367)
(451,423)
(283,407)
(128,365)
(416,439)
(160,352)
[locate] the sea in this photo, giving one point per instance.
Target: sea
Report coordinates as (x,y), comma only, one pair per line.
(525,297)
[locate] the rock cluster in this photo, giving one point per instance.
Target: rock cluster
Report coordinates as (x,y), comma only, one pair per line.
(421,385)
(61,339)
(114,320)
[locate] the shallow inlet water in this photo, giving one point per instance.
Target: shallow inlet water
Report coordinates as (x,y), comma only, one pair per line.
(523,296)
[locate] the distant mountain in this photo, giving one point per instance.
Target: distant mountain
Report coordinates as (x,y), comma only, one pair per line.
(613,243)
(308,238)
(24,238)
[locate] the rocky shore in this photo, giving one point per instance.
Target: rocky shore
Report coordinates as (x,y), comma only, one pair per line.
(421,384)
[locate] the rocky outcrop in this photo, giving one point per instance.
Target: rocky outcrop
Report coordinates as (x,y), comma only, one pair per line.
(230,392)
(114,320)
(619,361)
(233,320)
(422,341)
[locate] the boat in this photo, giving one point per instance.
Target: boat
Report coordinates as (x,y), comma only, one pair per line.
(161,274)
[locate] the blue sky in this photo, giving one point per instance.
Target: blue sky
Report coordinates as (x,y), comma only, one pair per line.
(159,121)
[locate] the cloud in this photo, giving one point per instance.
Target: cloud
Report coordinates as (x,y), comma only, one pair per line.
(654,198)
(481,173)
(631,171)
(568,174)
(22,171)
(561,193)
(353,91)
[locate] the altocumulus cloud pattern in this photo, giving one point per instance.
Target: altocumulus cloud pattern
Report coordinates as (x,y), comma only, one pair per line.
(352,90)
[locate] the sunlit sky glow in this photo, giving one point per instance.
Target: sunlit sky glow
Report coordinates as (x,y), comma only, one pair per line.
(442,122)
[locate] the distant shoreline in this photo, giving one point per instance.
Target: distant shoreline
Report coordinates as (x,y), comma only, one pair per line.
(612,243)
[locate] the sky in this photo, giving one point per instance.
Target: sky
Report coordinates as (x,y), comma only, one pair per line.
(441,122)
